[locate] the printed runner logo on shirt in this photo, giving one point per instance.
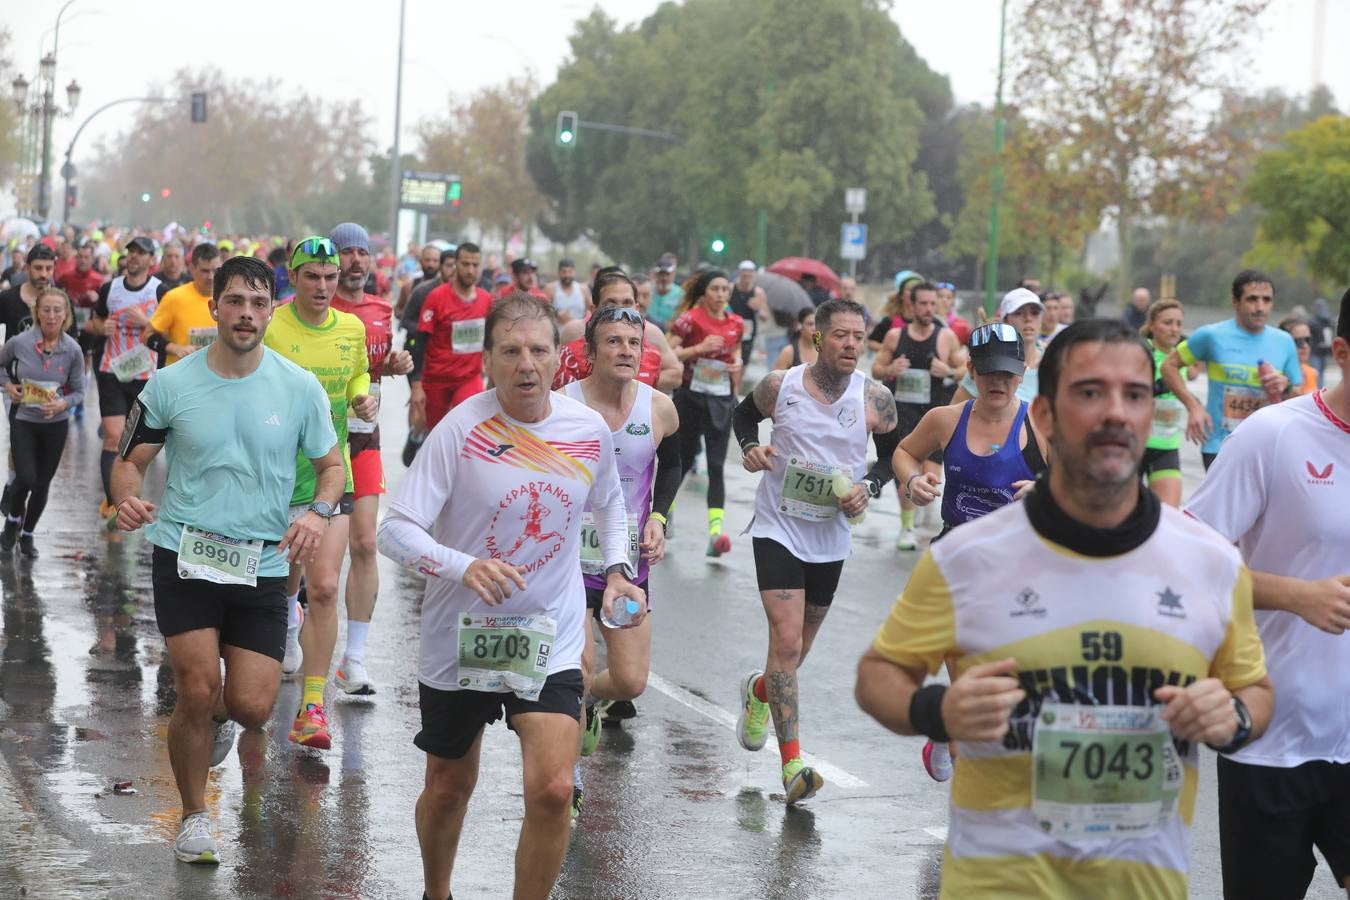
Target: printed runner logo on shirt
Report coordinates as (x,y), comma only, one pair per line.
(530,525)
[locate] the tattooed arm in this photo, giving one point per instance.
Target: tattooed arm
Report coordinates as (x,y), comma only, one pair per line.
(882,422)
(745,422)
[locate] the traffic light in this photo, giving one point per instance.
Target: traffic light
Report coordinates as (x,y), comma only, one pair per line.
(145,197)
(567,128)
(454,192)
(165,193)
(199,106)
(717,245)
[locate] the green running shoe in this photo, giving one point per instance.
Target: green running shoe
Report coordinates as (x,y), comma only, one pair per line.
(752,725)
(800,781)
(590,737)
(576,804)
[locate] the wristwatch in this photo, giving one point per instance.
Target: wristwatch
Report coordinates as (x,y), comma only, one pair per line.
(1244,728)
(873,486)
(322,510)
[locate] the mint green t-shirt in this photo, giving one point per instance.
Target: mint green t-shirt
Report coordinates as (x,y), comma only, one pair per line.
(231,448)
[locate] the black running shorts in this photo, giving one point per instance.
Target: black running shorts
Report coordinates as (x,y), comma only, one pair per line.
(452,720)
(778,569)
(253,618)
(115,397)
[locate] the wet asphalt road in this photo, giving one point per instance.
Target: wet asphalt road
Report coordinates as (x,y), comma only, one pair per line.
(674,807)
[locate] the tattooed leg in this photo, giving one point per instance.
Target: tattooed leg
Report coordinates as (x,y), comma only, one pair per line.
(786,610)
(813,617)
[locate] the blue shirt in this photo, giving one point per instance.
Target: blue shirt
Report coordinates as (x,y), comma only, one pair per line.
(1233,356)
(231,448)
(662,308)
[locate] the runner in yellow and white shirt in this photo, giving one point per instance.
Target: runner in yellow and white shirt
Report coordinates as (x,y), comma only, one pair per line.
(1095,637)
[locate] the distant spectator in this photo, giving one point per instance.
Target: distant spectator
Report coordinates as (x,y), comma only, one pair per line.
(1322,329)
(1301,332)
(813,289)
(1137,312)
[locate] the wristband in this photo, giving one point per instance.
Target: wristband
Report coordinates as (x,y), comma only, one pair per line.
(748,446)
(908,482)
(660,518)
(925,712)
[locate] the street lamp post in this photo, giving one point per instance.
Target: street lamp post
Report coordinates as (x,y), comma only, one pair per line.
(44,109)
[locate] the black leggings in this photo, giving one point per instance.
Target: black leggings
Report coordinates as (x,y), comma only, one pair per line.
(707,419)
(36,448)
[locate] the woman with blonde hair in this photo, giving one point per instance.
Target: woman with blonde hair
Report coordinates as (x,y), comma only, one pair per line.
(1162,454)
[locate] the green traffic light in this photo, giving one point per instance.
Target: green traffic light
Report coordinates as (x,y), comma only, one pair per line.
(718,245)
(145,198)
(565,137)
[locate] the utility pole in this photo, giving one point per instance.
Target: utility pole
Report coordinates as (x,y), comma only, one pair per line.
(996,192)
(396,161)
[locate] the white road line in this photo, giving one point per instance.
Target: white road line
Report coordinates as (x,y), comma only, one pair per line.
(832,773)
(939,832)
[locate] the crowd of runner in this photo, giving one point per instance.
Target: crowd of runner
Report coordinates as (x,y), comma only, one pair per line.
(1066,640)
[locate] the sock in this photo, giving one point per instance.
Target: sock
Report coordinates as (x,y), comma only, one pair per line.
(293,612)
(576,776)
(13,519)
(715,515)
(313,695)
(907,519)
(105,464)
(789,750)
(760,690)
(356,640)
(25,534)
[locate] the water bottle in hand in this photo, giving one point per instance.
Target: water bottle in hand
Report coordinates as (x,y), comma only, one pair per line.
(625,608)
(1273,393)
(842,485)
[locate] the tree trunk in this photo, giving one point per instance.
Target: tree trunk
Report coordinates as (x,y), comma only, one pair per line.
(1124,244)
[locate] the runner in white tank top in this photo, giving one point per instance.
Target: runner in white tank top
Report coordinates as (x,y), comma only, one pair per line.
(644,425)
(822,414)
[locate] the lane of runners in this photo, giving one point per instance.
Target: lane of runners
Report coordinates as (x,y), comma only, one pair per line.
(1066,642)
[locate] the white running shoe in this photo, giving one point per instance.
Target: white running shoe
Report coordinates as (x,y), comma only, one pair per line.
(353,678)
(295,657)
(937,761)
(907,541)
(224,741)
(195,842)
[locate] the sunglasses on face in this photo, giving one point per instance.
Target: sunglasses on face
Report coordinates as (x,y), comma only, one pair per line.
(1303,342)
(1000,332)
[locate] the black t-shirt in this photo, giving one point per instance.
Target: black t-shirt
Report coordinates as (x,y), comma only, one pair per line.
(413,310)
(168,284)
(14,313)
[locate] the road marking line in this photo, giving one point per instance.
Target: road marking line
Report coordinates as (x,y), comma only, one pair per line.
(939,832)
(832,773)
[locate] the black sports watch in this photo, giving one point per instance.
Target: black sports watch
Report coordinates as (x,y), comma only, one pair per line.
(322,510)
(1244,728)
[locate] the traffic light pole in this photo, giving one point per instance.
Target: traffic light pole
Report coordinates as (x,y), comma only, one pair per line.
(68,170)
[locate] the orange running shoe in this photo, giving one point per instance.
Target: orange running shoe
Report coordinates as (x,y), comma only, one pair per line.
(311,729)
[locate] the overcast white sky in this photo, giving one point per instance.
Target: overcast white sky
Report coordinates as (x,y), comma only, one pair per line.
(455,46)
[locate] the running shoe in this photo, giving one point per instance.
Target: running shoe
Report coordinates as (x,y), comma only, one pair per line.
(718,544)
(576,804)
(800,781)
(353,678)
(590,737)
(295,657)
(906,540)
(618,710)
(937,761)
(9,535)
(752,724)
(27,547)
(224,740)
(195,842)
(311,729)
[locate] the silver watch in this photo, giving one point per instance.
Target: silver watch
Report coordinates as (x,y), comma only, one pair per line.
(322,510)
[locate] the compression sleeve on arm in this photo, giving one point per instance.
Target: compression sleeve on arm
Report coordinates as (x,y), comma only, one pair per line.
(745,422)
(157,342)
(667,481)
(358,386)
(408,544)
(886,442)
(415,346)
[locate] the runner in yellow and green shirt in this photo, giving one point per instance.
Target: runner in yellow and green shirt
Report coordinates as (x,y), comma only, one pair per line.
(332,345)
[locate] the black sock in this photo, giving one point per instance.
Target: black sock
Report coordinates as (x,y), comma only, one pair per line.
(105,463)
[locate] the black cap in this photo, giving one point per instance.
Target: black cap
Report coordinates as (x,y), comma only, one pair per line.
(521,265)
(566,263)
(997,347)
(141,242)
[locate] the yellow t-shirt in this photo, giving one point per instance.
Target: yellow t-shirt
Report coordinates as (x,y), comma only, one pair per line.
(184,318)
(1086,633)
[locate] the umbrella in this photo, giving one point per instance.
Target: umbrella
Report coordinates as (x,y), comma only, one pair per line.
(795,267)
(19,227)
(785,296)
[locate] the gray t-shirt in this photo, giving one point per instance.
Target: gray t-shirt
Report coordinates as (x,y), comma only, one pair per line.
(59,373)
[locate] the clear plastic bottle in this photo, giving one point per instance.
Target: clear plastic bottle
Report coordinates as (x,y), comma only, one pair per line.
(842,484)
(625,608)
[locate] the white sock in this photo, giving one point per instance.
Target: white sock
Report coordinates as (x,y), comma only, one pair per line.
(576,775)
(356,639)
(15,519)
(293,612)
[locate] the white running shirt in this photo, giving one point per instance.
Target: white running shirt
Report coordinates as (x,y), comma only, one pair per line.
(491,487)
(811,436)
(1281,490)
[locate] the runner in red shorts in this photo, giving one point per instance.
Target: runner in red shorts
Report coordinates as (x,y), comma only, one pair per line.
(363,578)
(448,363)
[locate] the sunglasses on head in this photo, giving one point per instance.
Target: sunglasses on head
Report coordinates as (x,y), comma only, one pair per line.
(619,314)
(1000,332)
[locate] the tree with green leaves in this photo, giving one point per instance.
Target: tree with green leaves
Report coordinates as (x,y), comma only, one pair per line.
(1304,189)
(1127,84)
(777,107)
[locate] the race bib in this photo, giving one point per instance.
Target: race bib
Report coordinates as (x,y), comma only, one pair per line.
(1103,771)
(1239,402)
(466,336)
(593,555)
(808,491)
(130,363)
(199,338)
(207,556)
(1167,413)
(710,377)
(914,386)
(36,393)
(505,654)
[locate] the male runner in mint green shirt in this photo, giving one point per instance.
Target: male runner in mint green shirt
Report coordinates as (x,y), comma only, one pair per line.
(230,420)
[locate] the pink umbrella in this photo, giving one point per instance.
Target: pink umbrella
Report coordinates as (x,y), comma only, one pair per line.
(795,267)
